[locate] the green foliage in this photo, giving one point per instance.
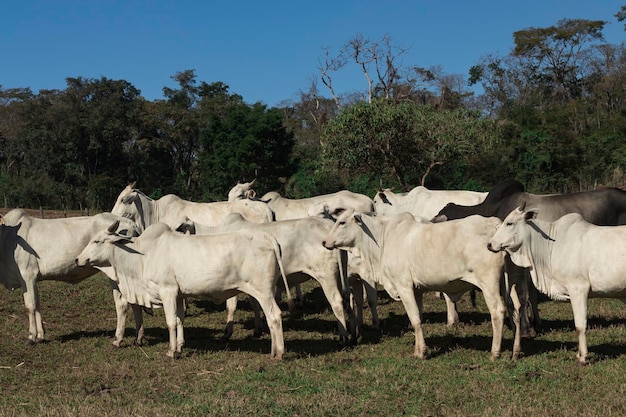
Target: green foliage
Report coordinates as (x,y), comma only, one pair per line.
(240,143)
(404,141)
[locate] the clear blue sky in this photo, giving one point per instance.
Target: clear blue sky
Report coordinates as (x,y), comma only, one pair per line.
(265,51)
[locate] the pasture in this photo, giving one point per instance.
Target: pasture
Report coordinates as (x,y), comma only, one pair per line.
(78,372)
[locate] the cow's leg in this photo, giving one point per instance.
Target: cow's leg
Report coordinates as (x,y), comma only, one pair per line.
(333,295)
(258,323)
(515,316)
(231,307)
(578,298)
(412,301)
(274,321)
(533,296)
(171,319)
(181,308)
(372,301)
(139,329)
(452,313)
(495,304)
(31,301)
(299,296)
(121,308)
(357,304)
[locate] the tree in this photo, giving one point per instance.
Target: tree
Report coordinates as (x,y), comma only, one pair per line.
(401,141)
(242,142)
(376,60)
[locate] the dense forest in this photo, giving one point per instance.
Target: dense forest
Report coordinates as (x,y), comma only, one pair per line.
(551,113)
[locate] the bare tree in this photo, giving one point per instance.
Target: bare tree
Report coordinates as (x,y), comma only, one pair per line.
(377,61)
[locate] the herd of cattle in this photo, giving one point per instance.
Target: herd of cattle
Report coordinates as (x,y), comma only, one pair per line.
(507,243)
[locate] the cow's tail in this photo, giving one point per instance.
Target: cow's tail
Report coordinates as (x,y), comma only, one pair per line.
(279,259)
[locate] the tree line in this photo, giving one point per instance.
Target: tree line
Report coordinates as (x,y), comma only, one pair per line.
(551,113)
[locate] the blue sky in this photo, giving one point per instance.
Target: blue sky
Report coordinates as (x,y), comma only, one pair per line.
(265,51)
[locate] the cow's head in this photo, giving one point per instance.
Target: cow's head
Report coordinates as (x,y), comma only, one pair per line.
(345,232)
(134,205)
(513,231)
(98,252)
(242,191)
(325,211)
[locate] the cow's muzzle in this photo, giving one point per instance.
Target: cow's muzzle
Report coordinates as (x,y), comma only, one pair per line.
(492,248)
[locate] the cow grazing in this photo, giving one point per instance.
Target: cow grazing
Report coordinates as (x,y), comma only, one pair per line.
(568,259)
(33,250)
(162,267)
(302,256)
(409,258)
(169,209)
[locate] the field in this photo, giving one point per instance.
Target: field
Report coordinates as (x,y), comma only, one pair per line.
(78,372)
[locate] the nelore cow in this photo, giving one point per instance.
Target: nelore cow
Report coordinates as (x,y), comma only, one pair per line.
(426,203)
(162,267)
(409,258)
(603,207)
(568,259)
(327,204)
(302,256)
(422,202)
(358,272)
(169,209)
(33,250)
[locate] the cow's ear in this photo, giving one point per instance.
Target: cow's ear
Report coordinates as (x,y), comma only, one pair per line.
(113,228)
(358,219)
(531,214)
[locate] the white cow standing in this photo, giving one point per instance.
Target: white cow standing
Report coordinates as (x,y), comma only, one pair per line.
(170,208)
(426,203)
(303,259)
(409,258)
(162,267)
(33,250)
(568,259)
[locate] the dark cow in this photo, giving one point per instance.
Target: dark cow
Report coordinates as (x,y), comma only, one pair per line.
(602,207)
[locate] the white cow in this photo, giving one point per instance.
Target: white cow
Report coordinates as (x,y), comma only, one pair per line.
(169,209)
(162,267)
(242,191)
(33,250)
(409,258)
(288,208)
(302,256)
(422,202)
(324,205)
(568,259)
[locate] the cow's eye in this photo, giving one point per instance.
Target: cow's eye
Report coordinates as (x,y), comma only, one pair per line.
(509,224)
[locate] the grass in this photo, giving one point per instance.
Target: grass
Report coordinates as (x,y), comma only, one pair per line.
(78,372)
